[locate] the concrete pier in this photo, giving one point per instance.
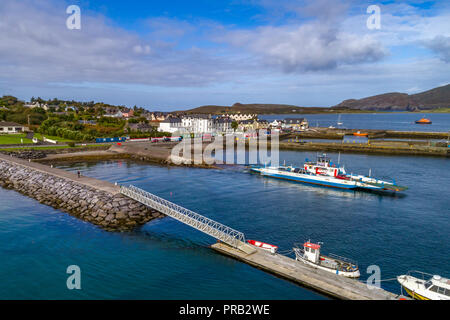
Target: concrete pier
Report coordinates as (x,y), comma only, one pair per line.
(324,282)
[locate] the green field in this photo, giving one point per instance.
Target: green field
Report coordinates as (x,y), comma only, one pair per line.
(53,147)
(14,139)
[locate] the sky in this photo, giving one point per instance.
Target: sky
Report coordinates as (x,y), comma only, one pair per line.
(178,54)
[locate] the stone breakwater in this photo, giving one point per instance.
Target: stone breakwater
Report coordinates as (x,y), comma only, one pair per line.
(103,206)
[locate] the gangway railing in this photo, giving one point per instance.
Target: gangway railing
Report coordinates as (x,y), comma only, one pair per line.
(212,228)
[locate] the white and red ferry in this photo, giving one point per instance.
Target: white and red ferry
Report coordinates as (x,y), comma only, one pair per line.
(323,172)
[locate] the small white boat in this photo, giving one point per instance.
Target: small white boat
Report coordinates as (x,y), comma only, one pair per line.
(424,286)
(263,245)
(310,255)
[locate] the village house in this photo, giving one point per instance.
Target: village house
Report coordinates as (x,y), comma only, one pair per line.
(241,117)
(276,123)
(171,125)
(222,125)
(37,105)
(128,113)
(113,113)
(140,127)
(296,123)
(156,116)
(12,127)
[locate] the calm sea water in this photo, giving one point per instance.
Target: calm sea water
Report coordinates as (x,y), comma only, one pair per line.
(167,260)
(383,121)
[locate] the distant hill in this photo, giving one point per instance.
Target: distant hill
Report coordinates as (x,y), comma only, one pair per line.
(254,108)
(395,101)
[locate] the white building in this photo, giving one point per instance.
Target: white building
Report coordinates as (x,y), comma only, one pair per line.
(171,125)
(37,105)
(11,127)
(241,117)
(296,123)
(198,123)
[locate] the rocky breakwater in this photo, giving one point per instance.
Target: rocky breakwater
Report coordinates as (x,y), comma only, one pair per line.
(103,206)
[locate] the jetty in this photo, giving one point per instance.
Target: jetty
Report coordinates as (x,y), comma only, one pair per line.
(232,243)
(95,201)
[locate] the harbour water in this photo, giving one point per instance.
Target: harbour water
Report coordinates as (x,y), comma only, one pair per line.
(167,260)
(381,121)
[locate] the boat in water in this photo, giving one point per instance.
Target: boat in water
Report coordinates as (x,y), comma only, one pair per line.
(310,255)
(324,173)
(424,121)
(360,134)
(423,286)
(263,245)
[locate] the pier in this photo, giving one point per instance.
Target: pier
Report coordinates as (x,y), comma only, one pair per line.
(95,201)
(232,243)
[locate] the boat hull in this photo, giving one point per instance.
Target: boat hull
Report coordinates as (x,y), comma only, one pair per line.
(414,295)
(419,122)
(348,274)
(303,178)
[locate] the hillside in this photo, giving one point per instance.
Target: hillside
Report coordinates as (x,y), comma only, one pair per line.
(254,108)
(395,101)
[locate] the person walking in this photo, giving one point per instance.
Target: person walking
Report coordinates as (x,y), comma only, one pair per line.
(79,174)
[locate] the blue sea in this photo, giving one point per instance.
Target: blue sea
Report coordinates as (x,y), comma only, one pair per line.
(381,121)
(165,259)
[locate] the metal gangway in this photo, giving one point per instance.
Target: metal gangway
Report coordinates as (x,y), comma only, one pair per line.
(212,228)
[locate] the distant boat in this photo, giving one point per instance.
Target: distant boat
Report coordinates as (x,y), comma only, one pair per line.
(424,121)
(339,123)
(360,134)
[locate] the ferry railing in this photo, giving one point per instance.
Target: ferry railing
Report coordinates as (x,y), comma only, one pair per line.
(212,228)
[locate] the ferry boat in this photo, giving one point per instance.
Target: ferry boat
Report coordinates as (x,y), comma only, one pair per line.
(324,173)
(310,255)
(424,286)
(263,245)
(424,121)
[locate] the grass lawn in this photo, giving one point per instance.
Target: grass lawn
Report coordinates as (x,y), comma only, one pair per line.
(39,137)
(53,147)
(14,139)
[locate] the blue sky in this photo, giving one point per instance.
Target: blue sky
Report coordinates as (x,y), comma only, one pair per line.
(167,55)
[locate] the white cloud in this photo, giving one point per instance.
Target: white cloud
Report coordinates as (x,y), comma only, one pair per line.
(441,46)
(308,47)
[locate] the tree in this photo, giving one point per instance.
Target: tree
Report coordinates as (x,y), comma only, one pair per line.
(234,125)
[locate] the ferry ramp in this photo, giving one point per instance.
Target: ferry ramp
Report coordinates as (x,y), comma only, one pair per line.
(212,228)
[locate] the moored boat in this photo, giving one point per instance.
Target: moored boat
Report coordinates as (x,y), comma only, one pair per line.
(360,134)
(424,121)
(423,286)
(310,255)
(263,245)
(324,173)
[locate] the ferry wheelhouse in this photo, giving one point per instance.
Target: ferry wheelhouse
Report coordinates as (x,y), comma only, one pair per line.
(310,255)
(424,286)
(323,172)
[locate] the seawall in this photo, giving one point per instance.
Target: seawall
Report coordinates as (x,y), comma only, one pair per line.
(91,200)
